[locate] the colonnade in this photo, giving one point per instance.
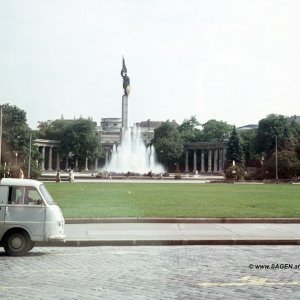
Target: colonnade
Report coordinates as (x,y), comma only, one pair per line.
(51,160)
(212,157)
(49,148)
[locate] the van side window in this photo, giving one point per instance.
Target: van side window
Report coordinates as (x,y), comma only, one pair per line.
(12,195)
(24,196)
(3,194)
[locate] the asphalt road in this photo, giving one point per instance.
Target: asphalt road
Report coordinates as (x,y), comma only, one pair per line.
(177,272)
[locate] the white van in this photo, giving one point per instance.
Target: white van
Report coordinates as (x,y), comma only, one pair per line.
(27,214)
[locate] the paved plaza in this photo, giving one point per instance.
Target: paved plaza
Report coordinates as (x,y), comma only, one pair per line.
(178,272)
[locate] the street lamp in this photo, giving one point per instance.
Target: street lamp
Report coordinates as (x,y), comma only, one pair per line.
(0,133)
(29,156)
(276,158)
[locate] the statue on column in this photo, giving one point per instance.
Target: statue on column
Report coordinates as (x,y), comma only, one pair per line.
(126,80)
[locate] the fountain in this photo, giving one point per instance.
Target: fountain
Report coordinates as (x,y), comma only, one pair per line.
(132,155)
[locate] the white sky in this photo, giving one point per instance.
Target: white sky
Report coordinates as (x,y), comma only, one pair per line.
(230,60)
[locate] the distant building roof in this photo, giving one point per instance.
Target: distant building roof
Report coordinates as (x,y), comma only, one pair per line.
(153,124)
(248,127)
(295,118)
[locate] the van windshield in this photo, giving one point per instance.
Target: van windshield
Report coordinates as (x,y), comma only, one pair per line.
(46,195)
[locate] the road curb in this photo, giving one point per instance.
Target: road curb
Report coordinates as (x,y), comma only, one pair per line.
(181,242)
(180,220)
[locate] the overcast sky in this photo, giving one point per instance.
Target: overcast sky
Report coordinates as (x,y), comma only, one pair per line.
(230,60)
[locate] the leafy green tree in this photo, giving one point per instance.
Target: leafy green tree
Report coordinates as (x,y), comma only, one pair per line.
(287,133)
(234,150)
(297,149)
(17,139)
(214,130)
(80,138)
(52,130)
(288,165)
(188,130)
(248,139)
(275,125)
(168,144)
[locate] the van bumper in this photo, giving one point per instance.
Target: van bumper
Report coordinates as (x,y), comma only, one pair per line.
(59,237)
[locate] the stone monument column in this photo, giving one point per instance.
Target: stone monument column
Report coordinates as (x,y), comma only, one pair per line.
(126,87)
(124,111)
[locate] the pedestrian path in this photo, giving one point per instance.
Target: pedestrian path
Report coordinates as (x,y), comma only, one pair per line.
(89,234)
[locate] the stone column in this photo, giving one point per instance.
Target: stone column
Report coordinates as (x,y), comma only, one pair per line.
(67,163)
(96,164)
(209,161)
(224,157)
(186,161)
(220,160)
(43,158)
(76,164)
(106,157)
(57,160)
(195,160)
(202,161)
(50,159)
(215,160)
(124,111)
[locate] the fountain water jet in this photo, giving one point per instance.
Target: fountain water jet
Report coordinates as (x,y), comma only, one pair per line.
(132,155)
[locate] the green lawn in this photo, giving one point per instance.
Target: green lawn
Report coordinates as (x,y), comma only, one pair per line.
(176,200)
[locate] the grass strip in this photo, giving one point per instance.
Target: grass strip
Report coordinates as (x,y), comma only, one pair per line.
(95,200)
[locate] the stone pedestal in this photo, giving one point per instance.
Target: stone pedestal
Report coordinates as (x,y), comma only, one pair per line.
(124,111)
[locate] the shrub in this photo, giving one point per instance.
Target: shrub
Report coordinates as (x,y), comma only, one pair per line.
(235,173)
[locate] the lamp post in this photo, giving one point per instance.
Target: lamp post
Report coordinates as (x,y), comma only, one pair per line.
(276,158)
(0,133)
(29,156)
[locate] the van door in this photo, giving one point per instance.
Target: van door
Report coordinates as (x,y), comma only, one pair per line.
(3,202)
(26,209)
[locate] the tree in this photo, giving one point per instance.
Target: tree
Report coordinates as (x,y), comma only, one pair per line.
(288,165)
(234,150)
(248,138)
(275,125)
(188,130)
(168,144)
(80,138)
(17,139)
(214,130)
(53,130)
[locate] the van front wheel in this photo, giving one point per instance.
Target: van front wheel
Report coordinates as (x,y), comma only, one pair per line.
(17,243)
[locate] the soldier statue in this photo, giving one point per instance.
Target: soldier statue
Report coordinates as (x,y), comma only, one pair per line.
(126,80)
